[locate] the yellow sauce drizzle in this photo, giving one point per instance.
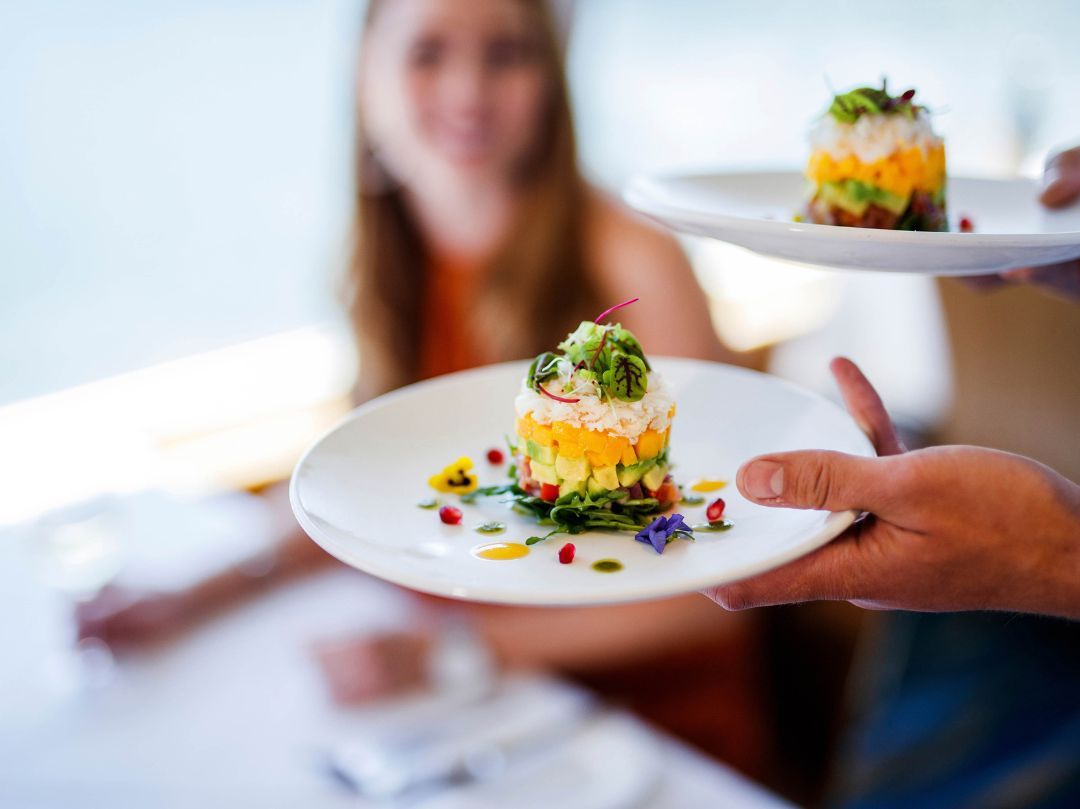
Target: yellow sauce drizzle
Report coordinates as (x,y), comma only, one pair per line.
(708,485)
(500,550)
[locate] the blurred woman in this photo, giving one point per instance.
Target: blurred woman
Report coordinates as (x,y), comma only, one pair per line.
(476,240)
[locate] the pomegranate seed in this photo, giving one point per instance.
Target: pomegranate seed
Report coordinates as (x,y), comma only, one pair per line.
(566,553)
(715,511)
(495,456)
(450,515)
(966,225)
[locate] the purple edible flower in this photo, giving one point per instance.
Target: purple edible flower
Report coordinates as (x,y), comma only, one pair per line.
(661,530)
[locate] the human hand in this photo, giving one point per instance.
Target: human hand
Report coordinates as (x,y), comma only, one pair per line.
(1061,187)
(122,617)
(949,528)
(372,667)
(1061,179)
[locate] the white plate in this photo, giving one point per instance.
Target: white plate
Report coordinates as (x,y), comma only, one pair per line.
(355,491)
(756,210)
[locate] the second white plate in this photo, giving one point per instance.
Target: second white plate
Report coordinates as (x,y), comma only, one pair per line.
(756,210)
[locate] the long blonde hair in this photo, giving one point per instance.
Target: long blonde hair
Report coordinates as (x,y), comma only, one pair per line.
(535,289)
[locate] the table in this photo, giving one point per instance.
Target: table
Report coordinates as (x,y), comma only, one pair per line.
(231,713)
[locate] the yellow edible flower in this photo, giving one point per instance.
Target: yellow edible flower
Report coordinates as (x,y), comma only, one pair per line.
(455,479)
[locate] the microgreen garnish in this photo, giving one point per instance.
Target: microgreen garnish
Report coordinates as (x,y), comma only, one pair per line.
(599,348)
(534,540)
(551,395)
(544,367)
(603,358)
(848,107)
(614,308)
(663,530)
(627,377)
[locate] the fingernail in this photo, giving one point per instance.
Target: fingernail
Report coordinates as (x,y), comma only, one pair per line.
(764,480)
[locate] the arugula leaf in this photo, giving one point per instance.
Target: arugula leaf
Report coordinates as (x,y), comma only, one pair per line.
(627,379)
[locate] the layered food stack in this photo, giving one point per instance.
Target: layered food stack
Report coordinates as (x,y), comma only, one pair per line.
(593,423)
(877,163)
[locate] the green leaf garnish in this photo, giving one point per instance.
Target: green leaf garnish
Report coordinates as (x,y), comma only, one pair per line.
(544,367)
(606,357)
(629,345)
(848,107)
(575,513)
(627,379)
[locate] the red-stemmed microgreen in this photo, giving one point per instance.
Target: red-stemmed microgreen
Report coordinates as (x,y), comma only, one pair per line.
(551,395)
(599,348)
(614,308)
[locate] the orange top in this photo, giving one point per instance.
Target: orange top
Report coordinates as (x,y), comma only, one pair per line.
(445,344)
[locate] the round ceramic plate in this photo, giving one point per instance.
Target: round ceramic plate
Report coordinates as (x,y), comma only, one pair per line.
(356,490)
(757,210)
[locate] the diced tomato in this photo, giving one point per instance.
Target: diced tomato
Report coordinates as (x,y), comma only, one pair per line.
(666,494)
(549,492)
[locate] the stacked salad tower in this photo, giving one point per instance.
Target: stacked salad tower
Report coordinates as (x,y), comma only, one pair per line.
(592,429)
(876,163)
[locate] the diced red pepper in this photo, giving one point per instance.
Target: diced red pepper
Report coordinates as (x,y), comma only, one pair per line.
(549,492)
(450,515)
(495,456)
(667,493)
(566,553)
(715,511)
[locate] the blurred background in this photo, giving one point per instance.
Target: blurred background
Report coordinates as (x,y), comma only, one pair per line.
(175,188)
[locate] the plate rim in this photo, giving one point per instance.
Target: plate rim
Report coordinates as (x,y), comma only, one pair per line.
(835,522)
(637,195)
